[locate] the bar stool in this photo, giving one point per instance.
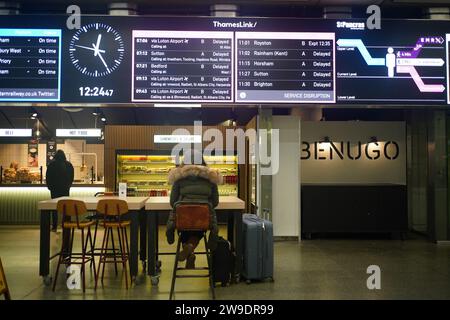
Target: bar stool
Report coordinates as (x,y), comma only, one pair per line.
(96,217)
(112,211)
(192,217)
(4,290)
(69,209)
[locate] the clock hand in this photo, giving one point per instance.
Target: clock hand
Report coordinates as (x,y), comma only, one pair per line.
(103,60)
(88,48)
(97,47)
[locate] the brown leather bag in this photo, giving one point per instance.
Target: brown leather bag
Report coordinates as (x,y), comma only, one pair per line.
(192,217)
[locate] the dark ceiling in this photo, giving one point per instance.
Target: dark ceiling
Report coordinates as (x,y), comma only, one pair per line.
(56,117)
(291,8)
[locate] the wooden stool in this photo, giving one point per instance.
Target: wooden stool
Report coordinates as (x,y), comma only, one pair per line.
(96,217)
(112,210)
(69,209)
(4,290)
(192,217)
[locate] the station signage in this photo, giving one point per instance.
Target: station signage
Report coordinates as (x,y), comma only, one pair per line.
(211,60)
(79,133)
(177,138)
(14,133)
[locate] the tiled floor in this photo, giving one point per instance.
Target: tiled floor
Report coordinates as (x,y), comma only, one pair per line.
(313,269)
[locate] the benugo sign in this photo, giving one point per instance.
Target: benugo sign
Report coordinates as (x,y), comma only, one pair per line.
(370,150)
(353,152)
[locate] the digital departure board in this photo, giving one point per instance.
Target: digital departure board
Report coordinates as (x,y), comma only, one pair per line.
(139,60)
(182,66)
(30,64)
(285,67)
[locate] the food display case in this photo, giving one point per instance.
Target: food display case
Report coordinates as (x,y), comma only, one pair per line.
(20,175)
(146,172)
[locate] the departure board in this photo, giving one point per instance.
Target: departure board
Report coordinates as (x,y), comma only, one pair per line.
(182,66)
(143,60)
(30,64)
(285,67)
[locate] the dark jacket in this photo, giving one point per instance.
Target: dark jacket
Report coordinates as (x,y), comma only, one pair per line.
(193,183)
(59,178)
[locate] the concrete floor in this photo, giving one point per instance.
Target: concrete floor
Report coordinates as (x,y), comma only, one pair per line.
(313,269)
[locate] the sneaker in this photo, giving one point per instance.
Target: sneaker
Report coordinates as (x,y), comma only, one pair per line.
(190,262)
(186,252)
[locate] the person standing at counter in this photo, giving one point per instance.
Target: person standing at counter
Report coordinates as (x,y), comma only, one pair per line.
(59,178)
(193,183)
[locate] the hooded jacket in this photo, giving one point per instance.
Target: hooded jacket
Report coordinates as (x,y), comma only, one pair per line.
(193,183)
(59,176)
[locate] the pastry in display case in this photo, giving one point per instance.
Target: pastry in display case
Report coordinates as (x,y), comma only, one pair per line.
(146,174)
(16,174)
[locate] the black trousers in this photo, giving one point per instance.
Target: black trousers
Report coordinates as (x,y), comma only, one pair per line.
(54,219)
(186,235)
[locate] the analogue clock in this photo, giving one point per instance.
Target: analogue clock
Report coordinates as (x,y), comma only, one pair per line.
(96,49)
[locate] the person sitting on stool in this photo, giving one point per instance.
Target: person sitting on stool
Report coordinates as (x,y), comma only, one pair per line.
(193,183)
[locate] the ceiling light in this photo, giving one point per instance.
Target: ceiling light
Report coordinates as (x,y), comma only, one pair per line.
(177,105)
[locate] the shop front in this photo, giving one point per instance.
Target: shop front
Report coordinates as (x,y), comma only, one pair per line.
(23,180)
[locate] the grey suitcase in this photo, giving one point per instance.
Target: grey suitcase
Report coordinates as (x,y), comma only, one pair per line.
(258,248)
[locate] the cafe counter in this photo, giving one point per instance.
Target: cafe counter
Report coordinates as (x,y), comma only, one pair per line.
(18,204)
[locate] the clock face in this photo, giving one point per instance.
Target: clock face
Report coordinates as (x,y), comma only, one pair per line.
(96,50)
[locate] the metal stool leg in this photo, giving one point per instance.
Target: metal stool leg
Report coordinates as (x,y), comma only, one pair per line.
(89,234)
(123,253)
(95,239)
(175,267)
(108,230)
(102,253)
(83,255)
(60,258)
(114,252)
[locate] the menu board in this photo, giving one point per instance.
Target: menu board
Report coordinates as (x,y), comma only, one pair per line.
(285,67)
(182,66)
(30,64)
(51,151)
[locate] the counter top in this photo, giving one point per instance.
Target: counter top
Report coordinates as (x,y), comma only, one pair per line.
(350,184)
(134,203)
(36,185)
(225,203)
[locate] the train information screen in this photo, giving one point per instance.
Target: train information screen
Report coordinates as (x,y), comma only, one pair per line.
(145,60)
(182,66)
(285,67)
(30,64)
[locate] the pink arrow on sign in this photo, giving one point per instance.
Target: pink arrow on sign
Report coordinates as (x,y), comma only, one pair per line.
(419,45)
(418,80)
